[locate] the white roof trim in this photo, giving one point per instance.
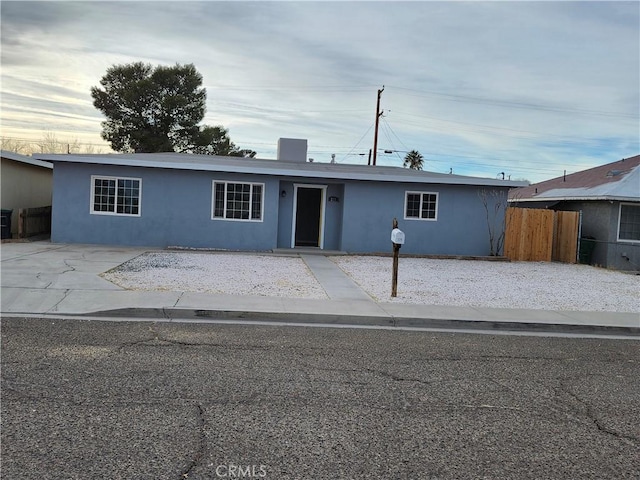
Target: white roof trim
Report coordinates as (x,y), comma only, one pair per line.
(16,157)
(280,168)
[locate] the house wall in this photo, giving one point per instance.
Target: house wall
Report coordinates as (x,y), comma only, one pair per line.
(618,250)
(460,229)
(24,186)
(175,210)
(600,220)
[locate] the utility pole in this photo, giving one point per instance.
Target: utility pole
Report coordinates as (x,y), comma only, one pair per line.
(375,136)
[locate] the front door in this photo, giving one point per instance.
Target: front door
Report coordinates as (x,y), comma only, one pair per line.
(308,217)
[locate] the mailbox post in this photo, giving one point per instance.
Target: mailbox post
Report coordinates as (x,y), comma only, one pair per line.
(397,239)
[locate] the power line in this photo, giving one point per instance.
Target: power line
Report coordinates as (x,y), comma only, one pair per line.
(483,127)
(247,106)
(323,88)
(358,143)
(430,93)
(394,133)
(512,104)
(386,133)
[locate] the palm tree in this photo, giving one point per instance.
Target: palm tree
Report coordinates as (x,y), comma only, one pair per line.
(413,160)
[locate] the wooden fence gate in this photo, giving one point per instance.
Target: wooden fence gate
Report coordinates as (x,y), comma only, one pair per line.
(34,221)
(538,235)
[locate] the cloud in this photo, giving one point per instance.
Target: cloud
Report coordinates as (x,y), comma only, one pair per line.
(524,86)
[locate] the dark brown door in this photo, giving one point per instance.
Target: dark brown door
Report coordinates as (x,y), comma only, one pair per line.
(308,209)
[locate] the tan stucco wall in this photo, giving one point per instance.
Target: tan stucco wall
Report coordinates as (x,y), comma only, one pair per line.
(24,186)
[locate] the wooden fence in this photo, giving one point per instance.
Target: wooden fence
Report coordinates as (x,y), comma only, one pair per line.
(34,221)
(538,235)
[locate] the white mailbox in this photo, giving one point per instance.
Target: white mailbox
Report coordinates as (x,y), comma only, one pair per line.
(397,236)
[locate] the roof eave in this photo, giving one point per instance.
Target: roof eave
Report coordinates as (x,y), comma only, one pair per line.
(283,171)
(605,198)
(16,157)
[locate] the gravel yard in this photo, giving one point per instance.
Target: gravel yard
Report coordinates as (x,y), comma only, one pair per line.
(218,273)
(477,283)
(534,285)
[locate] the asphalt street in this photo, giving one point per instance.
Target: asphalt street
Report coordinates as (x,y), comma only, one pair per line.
(151,400)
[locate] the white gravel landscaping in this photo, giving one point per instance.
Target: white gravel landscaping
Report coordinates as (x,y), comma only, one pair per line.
(233,274)
(477,283)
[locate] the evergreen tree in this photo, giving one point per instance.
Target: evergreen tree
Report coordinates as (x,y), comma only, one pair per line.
(158,109)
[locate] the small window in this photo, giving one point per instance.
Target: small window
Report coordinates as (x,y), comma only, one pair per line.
(421,206)
(115,196)
(237,201)
(629,222)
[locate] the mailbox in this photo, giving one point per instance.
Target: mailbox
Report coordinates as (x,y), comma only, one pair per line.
(397,236)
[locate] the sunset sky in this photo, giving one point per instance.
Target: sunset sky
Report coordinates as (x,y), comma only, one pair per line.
(526,88)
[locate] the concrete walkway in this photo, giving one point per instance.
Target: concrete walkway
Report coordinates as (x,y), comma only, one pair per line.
(41,278)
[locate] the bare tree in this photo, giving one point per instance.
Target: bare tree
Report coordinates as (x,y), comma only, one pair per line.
(49,143)
(495,206)
(15,145)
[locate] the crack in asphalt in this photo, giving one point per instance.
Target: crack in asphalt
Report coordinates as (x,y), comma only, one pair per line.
(167,342)
(592,417)
(380,373)
(159,340)
(199,453)
(396,378)
(102,401)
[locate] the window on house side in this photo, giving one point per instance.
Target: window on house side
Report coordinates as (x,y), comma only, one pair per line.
(421,206)
(115,196)
(629,222)
(237,201)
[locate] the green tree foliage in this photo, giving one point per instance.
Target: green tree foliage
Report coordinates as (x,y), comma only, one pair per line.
(214,141)
(158,109)
(413,160)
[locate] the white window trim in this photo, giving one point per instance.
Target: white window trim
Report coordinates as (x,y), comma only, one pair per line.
(114,213)
(323,198)
(406,200)
(224,219)
(625,240)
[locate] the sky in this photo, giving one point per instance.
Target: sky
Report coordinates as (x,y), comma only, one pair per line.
(528,89)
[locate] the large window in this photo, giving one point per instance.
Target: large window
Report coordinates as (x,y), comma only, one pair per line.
(115,196)
(629,222)
(421,206)
(237,201)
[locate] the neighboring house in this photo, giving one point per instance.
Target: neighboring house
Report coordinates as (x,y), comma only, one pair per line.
(26,183)
(608,197)
(202,201)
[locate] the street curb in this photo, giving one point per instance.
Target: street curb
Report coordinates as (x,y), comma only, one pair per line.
(169,314)
(287,317)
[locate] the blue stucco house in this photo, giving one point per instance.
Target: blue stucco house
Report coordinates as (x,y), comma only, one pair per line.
(201,201)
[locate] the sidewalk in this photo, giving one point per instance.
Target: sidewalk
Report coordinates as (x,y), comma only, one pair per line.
(41,278)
